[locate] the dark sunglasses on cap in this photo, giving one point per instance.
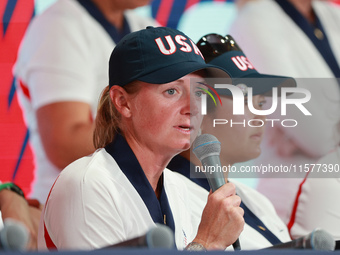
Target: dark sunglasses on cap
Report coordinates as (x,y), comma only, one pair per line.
(223,51)
(213,45)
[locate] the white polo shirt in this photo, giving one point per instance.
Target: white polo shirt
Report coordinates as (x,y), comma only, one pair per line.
(106,198)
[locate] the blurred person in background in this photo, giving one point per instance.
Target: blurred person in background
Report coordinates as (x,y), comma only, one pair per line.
(61,70)
(299,39)
(239,143)
(316,202)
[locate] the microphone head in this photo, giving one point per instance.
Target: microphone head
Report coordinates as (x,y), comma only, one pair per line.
(206,145)
(160,237)
(322,240)
(14,236)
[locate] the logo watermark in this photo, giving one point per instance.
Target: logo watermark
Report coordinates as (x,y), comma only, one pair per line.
(239,99)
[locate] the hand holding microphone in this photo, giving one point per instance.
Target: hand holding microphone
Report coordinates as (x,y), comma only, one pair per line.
(222,219)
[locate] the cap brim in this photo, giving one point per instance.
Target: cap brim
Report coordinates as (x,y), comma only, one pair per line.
(262,84)
(175,72)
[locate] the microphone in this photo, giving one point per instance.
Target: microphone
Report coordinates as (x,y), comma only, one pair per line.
(14,236)
(207,149)
(159,237)
(318,239)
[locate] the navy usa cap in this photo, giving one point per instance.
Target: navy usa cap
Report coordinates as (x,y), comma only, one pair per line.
(157,55)
(224,52)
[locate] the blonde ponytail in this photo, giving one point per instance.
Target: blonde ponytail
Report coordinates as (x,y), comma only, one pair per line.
(108,119)
(106,123)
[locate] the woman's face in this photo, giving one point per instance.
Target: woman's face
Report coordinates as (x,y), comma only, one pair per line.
(167,117)
(239,141)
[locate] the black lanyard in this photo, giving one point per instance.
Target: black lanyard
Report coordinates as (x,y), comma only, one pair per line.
(159,210)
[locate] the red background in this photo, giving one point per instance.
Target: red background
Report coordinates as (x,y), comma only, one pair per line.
(15,153)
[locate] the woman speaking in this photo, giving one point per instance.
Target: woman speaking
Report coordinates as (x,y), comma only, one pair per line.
(148,114)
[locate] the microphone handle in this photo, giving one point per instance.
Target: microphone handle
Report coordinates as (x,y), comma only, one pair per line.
(236,245)
(216,179)
(213,171)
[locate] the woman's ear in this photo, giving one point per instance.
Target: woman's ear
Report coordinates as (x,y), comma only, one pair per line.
(120,99)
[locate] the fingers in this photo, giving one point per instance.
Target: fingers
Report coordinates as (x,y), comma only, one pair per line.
(239,210)
(226,190)
(222,219)
(236,215)
(225,199)
(228,193)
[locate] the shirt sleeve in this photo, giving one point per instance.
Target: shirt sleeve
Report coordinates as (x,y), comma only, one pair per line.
(54,61)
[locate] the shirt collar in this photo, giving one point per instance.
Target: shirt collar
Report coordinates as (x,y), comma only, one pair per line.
(113,32)
(321,44)
(159,210)
(185,167)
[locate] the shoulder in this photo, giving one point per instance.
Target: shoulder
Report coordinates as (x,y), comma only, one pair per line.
(64,19)
(327,7)
(249,30)
(267,9)
(92,180)
(96,171)
(61,11)
(88,163)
